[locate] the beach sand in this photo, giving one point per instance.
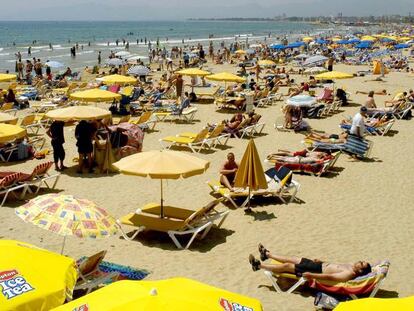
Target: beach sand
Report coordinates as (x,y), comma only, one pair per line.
(363,210)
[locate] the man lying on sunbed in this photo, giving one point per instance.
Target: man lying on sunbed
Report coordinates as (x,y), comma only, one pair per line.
(303,156)
(330,139)
(310,269)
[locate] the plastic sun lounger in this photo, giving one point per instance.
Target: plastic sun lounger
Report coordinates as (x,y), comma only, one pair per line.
(363,285)
(251,130)
(199,140)
(9,184)
(187,115)
(276,189)
(197,223)
(89,276)
(215,137)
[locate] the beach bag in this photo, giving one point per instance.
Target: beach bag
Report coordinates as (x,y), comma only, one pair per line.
(325,302)
(118,139)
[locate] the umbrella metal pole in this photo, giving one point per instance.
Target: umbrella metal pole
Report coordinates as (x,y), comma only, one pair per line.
(162,202)
(63,244)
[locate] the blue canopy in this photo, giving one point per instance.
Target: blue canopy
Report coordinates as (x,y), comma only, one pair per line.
(294,45)
(278,46)
(387,40)
(364,45)
(354,40)
(402,46)
(321,41)
(342,42)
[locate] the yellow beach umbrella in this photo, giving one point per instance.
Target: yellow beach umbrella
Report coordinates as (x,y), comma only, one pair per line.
(226,77)
(95,95)
(163,164)
(307,39)
(118,79)
(250,173)
(176,294)
(68,215)
(240,52)
(5,77)
(333,75)
(266,63)
(10,132)
(404,38)
(193,72)
(78,113)
(7,118)
(32,278)
(378,304)
(368,38)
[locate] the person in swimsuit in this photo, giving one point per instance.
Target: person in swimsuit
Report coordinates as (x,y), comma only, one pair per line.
(228,171)
(310,269)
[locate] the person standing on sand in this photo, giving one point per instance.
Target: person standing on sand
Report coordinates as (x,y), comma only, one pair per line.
(55,132)
(99,58)
(179,82)
(84,134)
(257,71)
(330,63)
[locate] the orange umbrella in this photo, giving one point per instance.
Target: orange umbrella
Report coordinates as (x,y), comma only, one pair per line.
(250,173)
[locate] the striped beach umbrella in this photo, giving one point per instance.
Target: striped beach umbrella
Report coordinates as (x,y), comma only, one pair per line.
(139,70)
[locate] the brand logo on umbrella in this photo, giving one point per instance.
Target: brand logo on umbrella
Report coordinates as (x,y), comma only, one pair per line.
(228,306)
(82,308)
(12,284)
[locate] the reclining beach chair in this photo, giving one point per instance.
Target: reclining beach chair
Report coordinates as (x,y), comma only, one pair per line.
(276,188)
(145,121)
(368,284)
(199,140)
(251,130)
(9,184)
(206,92)
(39,176)
(317,169)
(176,221)
(90,277)
(187,115)
(29,123)
(213,138)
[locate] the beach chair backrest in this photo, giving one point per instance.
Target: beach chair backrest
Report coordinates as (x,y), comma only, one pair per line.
(199,215)
(7,106)
(41,169)
(91,263)
(28,120)
(144,117)
(200,136)
(217,131)
(124,119)
(9,180)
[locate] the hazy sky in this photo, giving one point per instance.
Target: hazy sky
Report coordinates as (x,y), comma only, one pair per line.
(180,9)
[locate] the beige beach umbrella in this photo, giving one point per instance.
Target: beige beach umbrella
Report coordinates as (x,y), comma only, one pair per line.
(7,118)
(162,164)
(95,96)
(78,113)
(9,132)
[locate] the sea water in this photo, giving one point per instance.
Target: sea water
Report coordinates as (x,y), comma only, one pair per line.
(101,36)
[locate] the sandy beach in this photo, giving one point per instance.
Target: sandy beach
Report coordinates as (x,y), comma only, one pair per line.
(360,211)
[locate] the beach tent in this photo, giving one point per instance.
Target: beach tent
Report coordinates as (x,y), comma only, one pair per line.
(171,294)
(32,278)
(376,68)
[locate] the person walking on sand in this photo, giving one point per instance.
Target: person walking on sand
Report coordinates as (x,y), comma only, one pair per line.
(55,132)
(228,172)
(84,134)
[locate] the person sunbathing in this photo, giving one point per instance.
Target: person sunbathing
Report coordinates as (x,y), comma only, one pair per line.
(303,156)
(381,92)
(310,269)
(330,139)
(397,100)
(232,125)
(228,172)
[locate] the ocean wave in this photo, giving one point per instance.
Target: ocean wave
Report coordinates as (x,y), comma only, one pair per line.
(4,54)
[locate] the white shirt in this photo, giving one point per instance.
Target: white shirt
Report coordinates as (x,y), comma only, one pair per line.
(357,122)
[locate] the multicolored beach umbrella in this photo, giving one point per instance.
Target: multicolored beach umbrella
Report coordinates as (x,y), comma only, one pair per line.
(67,215)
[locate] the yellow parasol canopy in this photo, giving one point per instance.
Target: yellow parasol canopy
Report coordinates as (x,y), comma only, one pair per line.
(5,77)
(171,294)
(250,173)
(240,52)
(32,278)
(378,304)
(226,77)
(193,72)
(333,75)
(7,118)
(95,95)
(118,79)
(10,132)
(78,113)
(307,39)
(163,164)
(368,38)
(266,63)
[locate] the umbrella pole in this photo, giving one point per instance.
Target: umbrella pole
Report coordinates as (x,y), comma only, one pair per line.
(162,202)
(63,244)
